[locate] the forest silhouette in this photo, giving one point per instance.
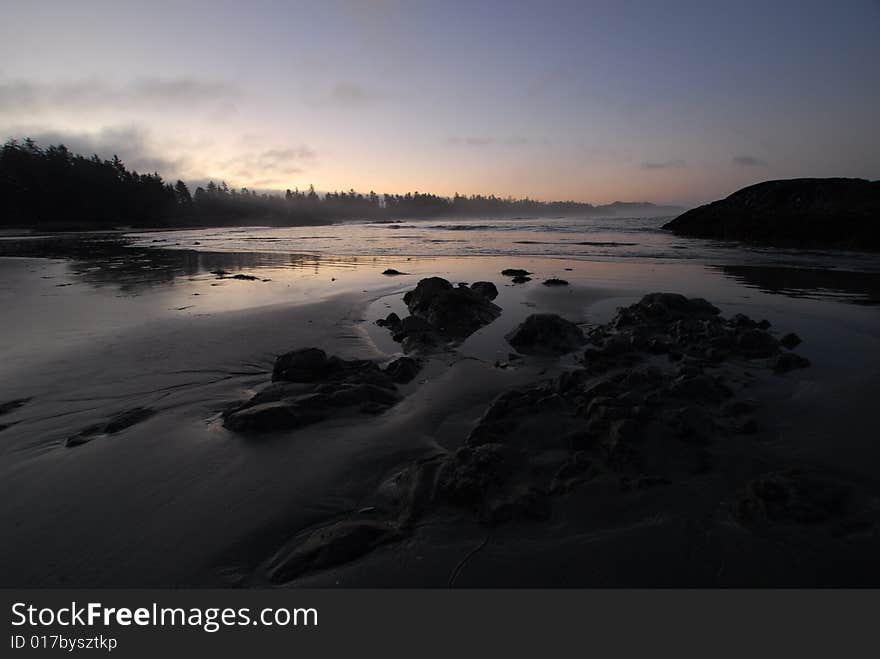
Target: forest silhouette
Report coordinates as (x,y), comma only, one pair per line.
(53,188)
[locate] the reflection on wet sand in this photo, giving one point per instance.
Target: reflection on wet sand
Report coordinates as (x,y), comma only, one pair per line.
(846,286)
(110,259)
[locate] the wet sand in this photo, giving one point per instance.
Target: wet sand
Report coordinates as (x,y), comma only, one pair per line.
(177,500)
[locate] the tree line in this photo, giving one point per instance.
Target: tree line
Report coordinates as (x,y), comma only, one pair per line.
(54,188)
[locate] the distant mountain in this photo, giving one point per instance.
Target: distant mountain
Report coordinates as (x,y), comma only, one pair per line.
(637,209)
(809,212)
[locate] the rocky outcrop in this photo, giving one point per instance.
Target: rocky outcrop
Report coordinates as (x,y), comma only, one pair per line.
(546,334)
(442,313)
(309,387)
(654,403)
(831,212)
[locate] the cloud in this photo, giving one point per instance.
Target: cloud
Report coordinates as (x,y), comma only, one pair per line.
(139,150)
(748,161)
(270,164)
(21,96)
(666,164)
(131,143)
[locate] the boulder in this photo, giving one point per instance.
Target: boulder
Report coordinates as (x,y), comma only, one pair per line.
(486,289)
(821,212)
(790,341)
(425,293)
(453,313)
(546,334)
(308,387)
(392,320)
(305,365)
(333,545)
(664,304)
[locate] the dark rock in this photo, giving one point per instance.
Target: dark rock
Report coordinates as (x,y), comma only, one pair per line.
(738,407)
(793,496)
(305,365)
(697,388)
(515,272)
(546,334)
(554,282)
(245,277)
(693,424)
(425,292)
(308,387)
(622,433)
(269,417)
(309,408)
(521,279)
(665,304)
(473,472)
(741,320)
(392,272)
(790,341)
(10,405)
(527,504)
(115,424)
(750,427)
(313,365)
(392,320)
(127,419)
(756,343)
(788,361)
(486,289)
(413,325)
(830,212)
(333,545)
(403,369)
(577,467)
(452,312)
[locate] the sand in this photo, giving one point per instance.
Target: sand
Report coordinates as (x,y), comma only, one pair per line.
(178,500)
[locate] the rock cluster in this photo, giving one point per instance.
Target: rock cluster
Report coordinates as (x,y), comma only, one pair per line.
(517,275)
(442,313)
(655,402)
(308,387)
(684,329)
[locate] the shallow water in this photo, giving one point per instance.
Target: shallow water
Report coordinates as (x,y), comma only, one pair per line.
(97,286)
(572,237)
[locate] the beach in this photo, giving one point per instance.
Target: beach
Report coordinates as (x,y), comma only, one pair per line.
(177,499)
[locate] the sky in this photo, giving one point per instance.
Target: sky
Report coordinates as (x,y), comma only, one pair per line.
(673,102)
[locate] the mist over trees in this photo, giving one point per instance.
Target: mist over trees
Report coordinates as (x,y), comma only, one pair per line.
(53,188)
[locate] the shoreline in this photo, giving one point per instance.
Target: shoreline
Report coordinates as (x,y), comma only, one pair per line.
(178,500)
